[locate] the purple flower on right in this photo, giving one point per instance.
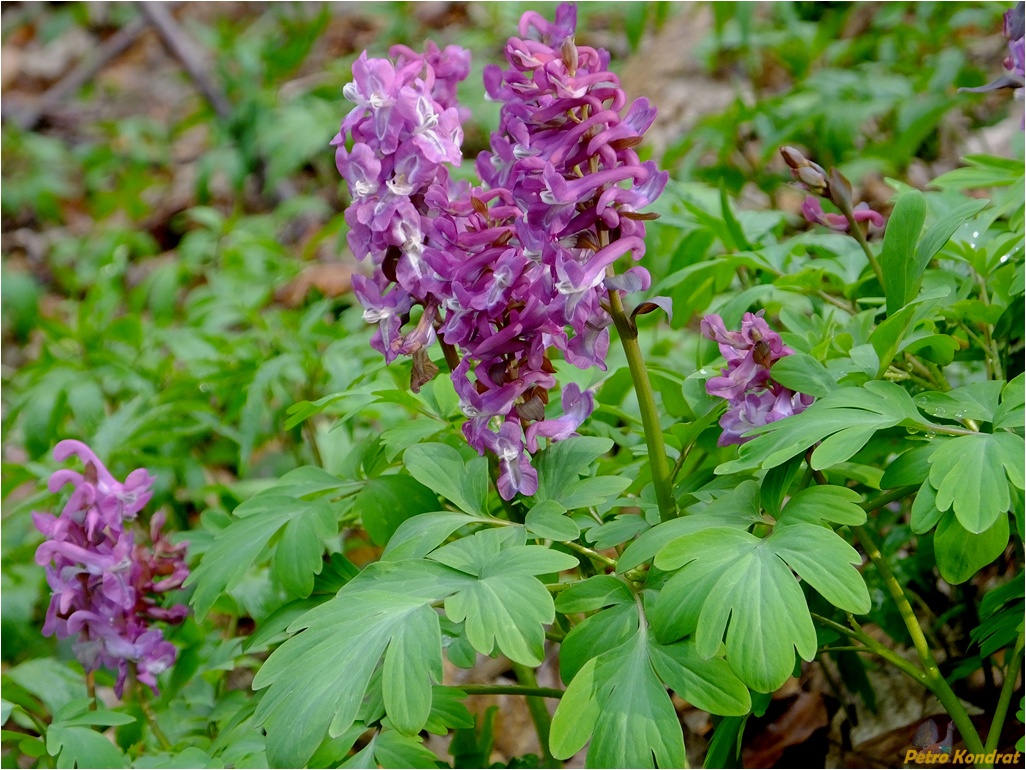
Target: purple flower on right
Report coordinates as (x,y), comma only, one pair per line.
(1014,28)
(753,397)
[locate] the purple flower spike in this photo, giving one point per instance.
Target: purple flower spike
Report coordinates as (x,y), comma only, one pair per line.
(510,270)
(753,398)
(105,587)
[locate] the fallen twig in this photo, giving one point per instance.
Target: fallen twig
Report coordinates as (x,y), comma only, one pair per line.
(181,47)
(86,70)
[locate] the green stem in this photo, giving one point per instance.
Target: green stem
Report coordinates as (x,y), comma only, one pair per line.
(539,711)
(646,403)
(510,689)
(930,676)
(856,231)
(590,553)
(888,497)
(935,681)
(871,645)
(151,719)
(90,680)
(991,354)
(1007,688)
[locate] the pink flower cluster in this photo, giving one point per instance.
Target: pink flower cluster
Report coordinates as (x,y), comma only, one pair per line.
(105,587)
(521,264)
(753,398)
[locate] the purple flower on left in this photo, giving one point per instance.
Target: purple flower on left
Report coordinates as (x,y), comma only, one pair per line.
(106,588)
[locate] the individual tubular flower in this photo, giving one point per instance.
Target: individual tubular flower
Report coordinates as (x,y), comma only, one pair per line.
(753,397)
(519,265)
(106,588)
(813,212)
(1014,28)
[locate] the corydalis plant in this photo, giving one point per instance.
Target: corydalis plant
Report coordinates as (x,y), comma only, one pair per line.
(753,397)
(508,270)
(107,589)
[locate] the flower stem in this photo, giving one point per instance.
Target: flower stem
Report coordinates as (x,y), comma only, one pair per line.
(1007,688)
(934,680)
(646,403)
(887,497)
(147,709)
(930,676)
(856,232)
(871,645)
(90,681)
(539,711)
(590,553)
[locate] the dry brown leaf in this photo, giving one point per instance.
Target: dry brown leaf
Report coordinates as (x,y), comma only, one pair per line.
(331,280)
(794,726)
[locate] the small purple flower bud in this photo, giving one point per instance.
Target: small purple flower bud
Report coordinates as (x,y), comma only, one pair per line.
(809,175)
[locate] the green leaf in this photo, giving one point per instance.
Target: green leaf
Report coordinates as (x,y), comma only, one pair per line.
(619,530)
(708,684)
(898,257)
(961,553)
(969,474)
(737,508)
(77,714)
(825,561)
(273,626)
(392,749)
(576,715)
(448,711)
(821,503)
(936,236)
(855,413)
(590,492)
(441,468)
(413,661)
(925,513)
(304,525)
(419,535)
(776,485)
(910,468)
(385,502)
(311,480)
(563,462)
(619,702)
(406,434)
(506,607)
(82,747)
(1010,414)
(593,594)
(595,635)
(1001,616)
(725,746)
(804,374)
(976,401)
(731,574)
(508,612)
(50,680)
(318,678)
(888,337)
(547,520)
